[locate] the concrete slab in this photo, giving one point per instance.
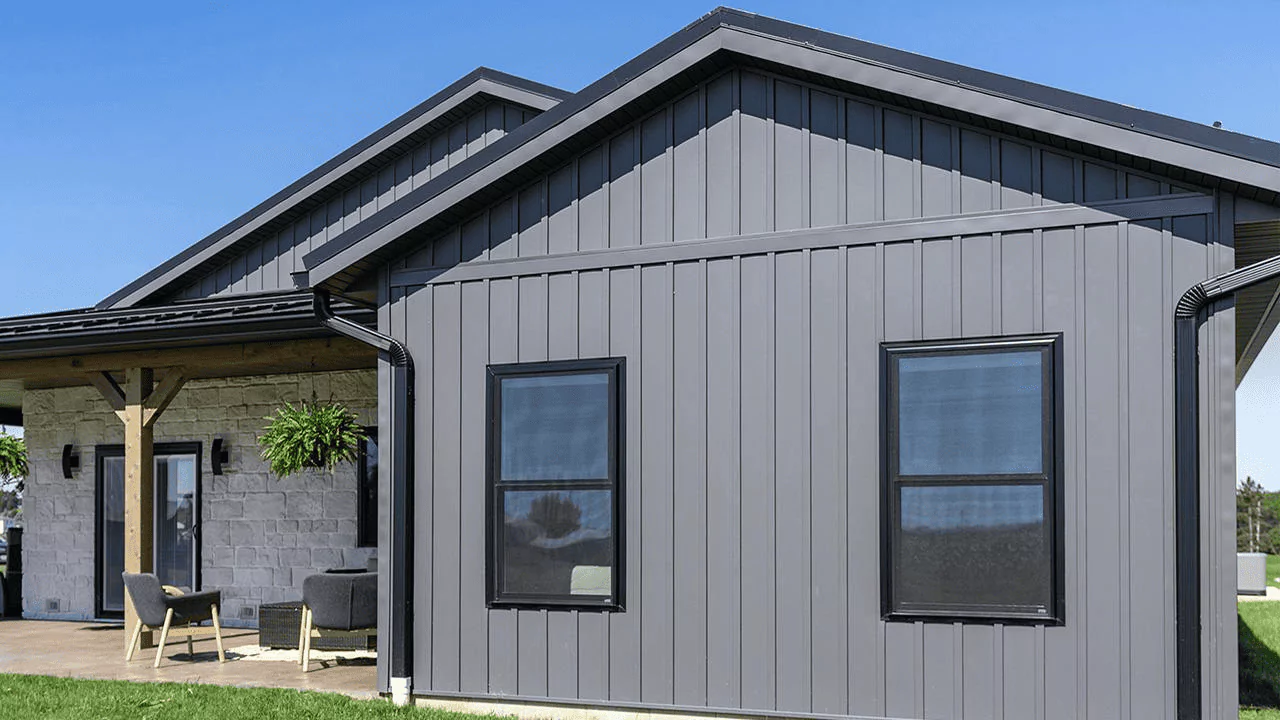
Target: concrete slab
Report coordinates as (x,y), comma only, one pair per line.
(96,651)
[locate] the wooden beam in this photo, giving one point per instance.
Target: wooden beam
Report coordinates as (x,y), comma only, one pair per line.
(110,390)
(139,482)
(164,394)
(314,354)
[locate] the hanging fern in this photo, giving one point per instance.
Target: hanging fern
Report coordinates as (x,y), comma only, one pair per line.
(13,460)
(309,436)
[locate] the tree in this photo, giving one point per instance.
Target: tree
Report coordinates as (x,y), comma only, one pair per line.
(1255,518)
(557,514)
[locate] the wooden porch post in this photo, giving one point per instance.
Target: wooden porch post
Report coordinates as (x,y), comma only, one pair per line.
(139,484)
(139,404)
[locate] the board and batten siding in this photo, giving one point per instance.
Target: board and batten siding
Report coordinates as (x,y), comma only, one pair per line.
(748,153)
(269,263)
(753,484)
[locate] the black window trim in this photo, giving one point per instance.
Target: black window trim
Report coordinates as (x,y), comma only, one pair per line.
(1050,344)
(615,367)
(366,536)
(103,451)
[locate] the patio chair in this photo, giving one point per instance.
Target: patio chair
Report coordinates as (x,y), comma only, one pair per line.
(169,610)
(337,605)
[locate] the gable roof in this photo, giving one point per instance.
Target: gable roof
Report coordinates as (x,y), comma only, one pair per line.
(1196,152)
(470,90)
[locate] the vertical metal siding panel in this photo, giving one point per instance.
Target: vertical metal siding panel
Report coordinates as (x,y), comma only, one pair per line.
(1148,562)
(1062,681)
(593,628)
(532,240)
(788,156)
(1057,182)
(253,268)
(1223,474)
(625,628)
(439,153)
(473,621)
(446,457)
(333,225)
(474,238)
(721,153)
(655,172)
(457,143)
(1017,273)
(447,248)
(503,234)
(403,181)
(828,529)
(270,259)
(976,270)
(531,672)
(754,200)
(493,123)
(860,161)
(937,289)
(504,333)
(657,496)
(562,219)
(593,201)
(222,279)
(475,132)
(724,492)
(688,190)
(824,162)
(368,197)
(1015,175)
(624,190)
(980,671)
(791,469)
(899,177)
(1099,183)
(386,187)
(421,164)
(1102,464)
(239,274)
(900,312)
(975,171)
(562,626)
(284,264)
(1019,680)
(939,671)
(419,312)
(935,159)
(864,312)
(690,483)
(1138,186)
(758,493)
(350,208)
(513,117)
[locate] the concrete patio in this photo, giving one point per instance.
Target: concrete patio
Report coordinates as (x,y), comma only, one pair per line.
(96,651)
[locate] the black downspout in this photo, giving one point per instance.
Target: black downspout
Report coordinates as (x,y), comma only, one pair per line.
(1191,312)
(394,352)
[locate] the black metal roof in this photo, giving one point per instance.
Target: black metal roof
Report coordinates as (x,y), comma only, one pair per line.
(240,318)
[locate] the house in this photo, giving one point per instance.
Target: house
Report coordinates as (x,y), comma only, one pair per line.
(773,374)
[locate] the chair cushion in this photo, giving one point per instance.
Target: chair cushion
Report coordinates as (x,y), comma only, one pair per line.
(342,601)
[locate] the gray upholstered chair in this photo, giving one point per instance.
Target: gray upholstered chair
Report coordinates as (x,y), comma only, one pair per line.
(337,604)
(169,610)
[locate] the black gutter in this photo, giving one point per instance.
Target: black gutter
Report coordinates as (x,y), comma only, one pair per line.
(400,631)
(1192,311)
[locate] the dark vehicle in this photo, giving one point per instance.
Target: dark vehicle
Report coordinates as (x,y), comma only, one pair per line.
(4,551)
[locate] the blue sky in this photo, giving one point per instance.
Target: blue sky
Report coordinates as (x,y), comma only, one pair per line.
(130,130)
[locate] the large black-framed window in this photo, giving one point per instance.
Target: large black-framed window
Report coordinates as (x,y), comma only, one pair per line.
(554,457)
(367,488)
(972,449)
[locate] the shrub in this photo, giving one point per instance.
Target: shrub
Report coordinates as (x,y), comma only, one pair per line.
(13,460)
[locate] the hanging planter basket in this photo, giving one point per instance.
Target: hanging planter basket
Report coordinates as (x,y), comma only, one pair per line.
(13,461)
(309,437)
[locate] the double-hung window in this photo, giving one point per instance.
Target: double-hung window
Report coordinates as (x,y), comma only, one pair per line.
(972,509)
(555,484)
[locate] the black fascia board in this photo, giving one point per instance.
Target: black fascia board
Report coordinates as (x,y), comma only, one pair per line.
(480,73)
(1062,101)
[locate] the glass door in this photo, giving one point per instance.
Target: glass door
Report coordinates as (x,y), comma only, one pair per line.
(176,526)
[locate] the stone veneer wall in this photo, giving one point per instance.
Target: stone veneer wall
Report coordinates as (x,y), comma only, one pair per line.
(261,535)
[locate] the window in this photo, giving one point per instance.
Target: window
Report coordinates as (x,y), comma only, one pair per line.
(971,480)
(555,484)
(367,487)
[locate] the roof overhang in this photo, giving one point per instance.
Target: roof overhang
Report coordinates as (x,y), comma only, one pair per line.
(726,37)
(467,94)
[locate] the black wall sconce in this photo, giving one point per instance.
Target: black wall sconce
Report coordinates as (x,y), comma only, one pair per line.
(70,461)
(219,456)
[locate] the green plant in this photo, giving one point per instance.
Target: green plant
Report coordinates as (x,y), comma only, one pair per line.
(13,461)
(309,436)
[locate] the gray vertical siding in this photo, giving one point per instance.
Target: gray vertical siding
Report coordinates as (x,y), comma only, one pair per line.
(268,264)
(752,529)
(748,152)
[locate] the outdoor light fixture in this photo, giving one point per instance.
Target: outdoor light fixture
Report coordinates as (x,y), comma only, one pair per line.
(70,461)
(219,456)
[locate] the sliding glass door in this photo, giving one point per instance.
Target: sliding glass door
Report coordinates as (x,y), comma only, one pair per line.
(176,538)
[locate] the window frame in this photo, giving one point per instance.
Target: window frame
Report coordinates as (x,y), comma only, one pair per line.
(366,535)
(1050,478)
(495,488)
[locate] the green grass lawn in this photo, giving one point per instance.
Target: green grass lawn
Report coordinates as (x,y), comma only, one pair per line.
(1273,570)
(1259,633)
(32,696)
